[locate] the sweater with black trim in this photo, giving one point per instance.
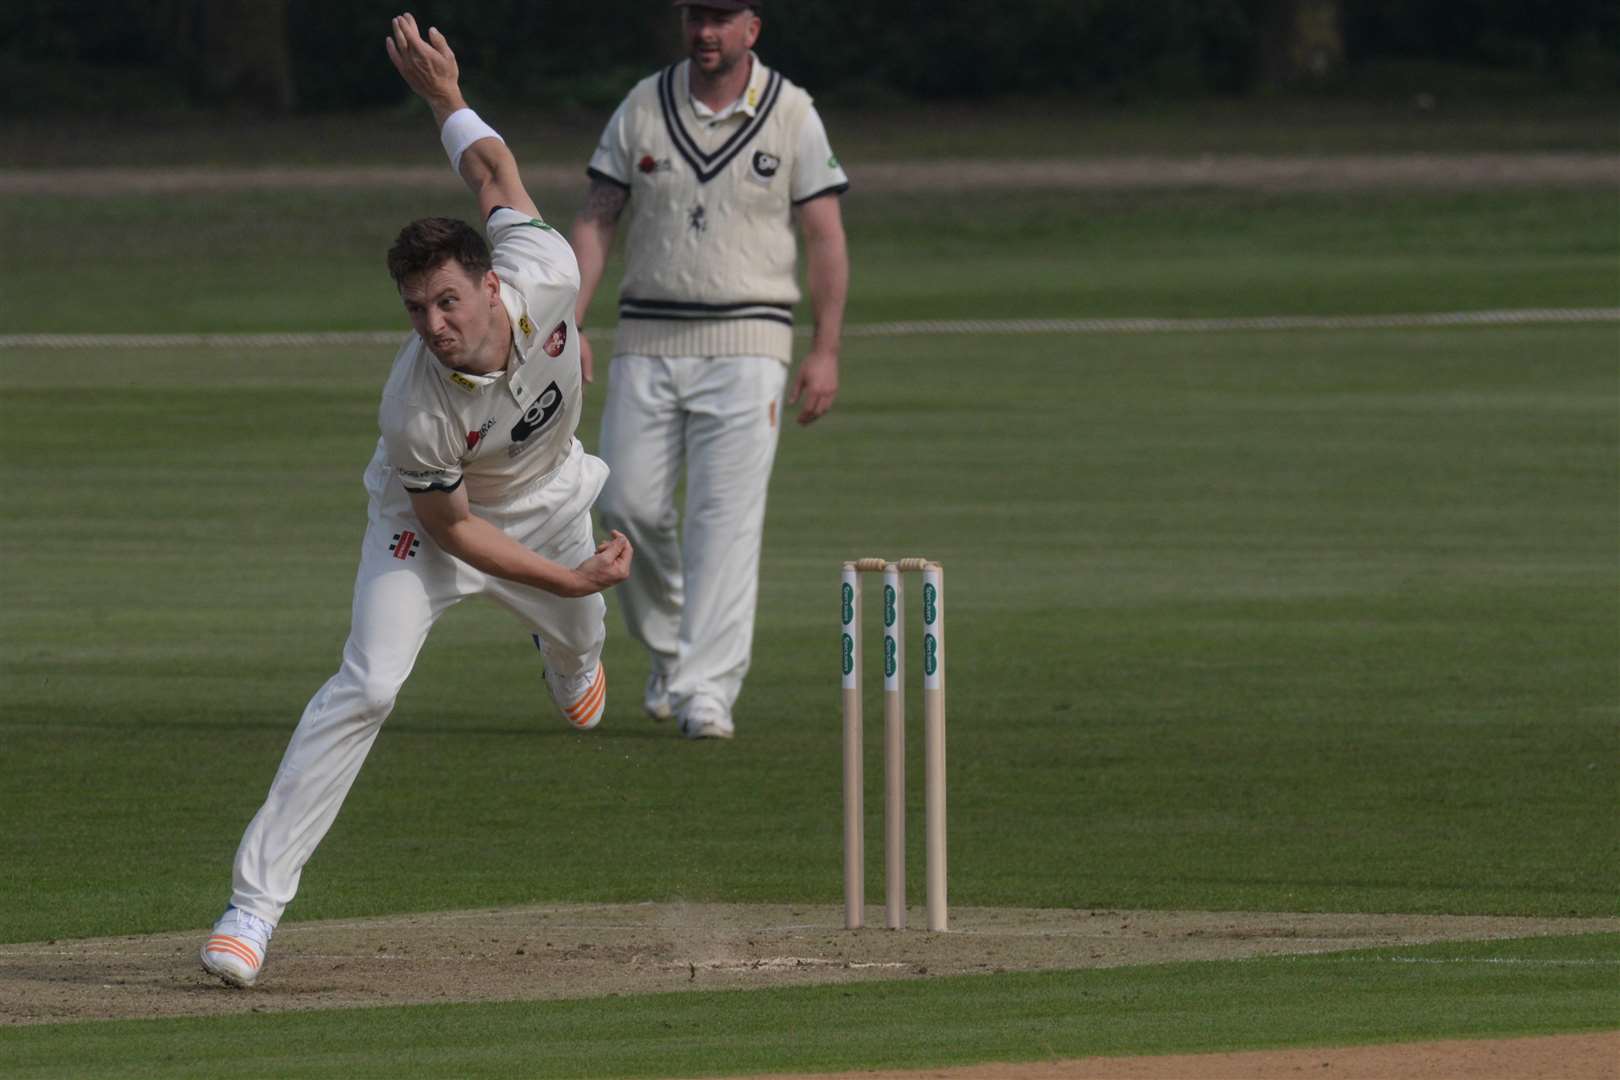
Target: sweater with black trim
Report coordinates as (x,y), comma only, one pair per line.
(711,259)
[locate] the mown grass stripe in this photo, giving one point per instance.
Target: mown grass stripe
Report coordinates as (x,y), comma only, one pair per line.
(911,328)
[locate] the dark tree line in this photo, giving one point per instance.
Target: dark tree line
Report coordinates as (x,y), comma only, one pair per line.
(316,54)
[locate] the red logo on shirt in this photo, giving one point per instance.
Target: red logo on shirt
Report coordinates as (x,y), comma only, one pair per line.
(647,163)
(558,339)
(473,437)
(405,545)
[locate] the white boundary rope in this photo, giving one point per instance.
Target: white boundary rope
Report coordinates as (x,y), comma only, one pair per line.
(925,327)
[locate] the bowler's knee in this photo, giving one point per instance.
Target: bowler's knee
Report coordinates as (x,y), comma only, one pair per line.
(369,695)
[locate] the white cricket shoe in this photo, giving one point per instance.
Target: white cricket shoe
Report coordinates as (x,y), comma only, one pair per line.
(235,950)
(705,718)
(655,699)
(582,698)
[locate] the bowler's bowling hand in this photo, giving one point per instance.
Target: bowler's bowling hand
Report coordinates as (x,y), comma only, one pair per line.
(427,66)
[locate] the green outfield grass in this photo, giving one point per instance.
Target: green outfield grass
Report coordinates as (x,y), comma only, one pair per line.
(1306,621)
(313,260)
(1317,621)
(1489,990)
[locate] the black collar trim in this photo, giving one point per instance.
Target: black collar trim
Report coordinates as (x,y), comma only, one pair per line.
(708,166)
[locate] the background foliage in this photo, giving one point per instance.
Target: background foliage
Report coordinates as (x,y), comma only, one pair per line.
(67,55)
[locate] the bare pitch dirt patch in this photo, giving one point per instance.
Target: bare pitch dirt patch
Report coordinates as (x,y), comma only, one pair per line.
(580,951)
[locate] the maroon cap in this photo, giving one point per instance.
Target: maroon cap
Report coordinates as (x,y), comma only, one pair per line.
(723,5)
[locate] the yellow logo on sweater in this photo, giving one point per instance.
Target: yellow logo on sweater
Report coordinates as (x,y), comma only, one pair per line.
(525,325)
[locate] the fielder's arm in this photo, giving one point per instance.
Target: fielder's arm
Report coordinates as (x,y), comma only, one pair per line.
(449,519)
(592,240)
(429,67)
(827,273)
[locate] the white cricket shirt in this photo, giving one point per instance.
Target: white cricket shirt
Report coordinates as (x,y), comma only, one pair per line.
(499,433)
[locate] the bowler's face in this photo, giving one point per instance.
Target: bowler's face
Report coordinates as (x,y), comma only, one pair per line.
(716,40)
(450,310)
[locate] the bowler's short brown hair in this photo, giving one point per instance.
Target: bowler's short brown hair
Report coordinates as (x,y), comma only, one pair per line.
(427,242)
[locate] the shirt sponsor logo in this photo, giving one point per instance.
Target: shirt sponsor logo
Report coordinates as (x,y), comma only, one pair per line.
(474,437)
(540,413)
(649,164)
(832,162)
(765,165)
(557,340)
(538,224)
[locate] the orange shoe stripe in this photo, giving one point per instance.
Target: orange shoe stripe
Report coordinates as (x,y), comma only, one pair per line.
(586,706)
(220,943)
(582,710)
(234,948)
(583,704)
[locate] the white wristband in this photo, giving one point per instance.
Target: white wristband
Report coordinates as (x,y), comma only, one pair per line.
(461,129)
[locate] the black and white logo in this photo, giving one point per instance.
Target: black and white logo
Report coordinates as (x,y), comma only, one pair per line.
(765,165)
(541,412)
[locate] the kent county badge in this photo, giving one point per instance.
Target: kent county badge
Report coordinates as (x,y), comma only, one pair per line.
(557,340)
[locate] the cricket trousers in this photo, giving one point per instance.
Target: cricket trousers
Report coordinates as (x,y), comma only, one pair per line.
(403,585)
(691,595)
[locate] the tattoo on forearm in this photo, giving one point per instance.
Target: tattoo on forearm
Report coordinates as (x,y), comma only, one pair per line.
(604,202)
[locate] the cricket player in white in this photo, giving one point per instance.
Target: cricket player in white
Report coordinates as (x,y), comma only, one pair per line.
(478,485)
(716,158)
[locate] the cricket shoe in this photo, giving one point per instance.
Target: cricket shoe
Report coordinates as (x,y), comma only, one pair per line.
(655,699)
(705,718)
(582,698)
(235,950)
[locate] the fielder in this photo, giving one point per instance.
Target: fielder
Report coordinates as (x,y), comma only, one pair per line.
(478,485)
(715,157)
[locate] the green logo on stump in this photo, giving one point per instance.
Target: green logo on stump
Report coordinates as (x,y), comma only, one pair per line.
(849,604)
(888,656)
(930,604)
(930,654)
(849,654)
(888,605)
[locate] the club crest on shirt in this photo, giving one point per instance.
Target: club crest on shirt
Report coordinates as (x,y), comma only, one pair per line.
(698,219)
(557,340)
(764,166)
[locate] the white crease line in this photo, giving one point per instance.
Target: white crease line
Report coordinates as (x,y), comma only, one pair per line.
(779,963)
(924,327)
